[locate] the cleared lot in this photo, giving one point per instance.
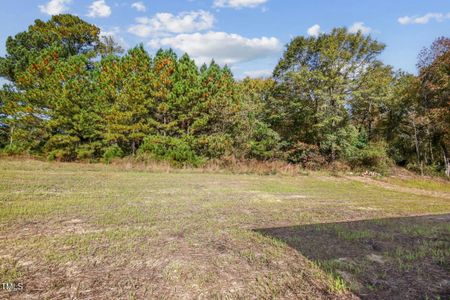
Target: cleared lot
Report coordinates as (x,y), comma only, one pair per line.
(94,231)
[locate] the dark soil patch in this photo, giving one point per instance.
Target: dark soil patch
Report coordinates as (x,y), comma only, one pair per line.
(401,258)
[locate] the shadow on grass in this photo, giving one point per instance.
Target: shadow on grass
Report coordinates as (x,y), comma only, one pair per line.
(396,258)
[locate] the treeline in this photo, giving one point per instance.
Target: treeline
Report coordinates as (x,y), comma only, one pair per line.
(73,95)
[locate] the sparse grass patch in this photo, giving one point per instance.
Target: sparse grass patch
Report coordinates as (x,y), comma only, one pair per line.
(9,270)
(440,185)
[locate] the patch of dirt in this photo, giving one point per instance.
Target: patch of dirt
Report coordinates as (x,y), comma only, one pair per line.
(208,271)
(440,217)
(376,258)
(350,279)
(51,228)
(397,258)
(294,197)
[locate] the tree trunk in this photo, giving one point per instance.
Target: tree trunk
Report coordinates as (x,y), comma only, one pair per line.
(417,146)
(430,145)
(165,122)
(447,167)
(369,120)
(11,135)
(446,162)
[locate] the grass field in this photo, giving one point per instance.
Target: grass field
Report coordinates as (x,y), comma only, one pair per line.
(99,232)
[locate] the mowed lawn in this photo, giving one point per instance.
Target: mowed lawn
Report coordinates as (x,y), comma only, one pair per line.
(85,231)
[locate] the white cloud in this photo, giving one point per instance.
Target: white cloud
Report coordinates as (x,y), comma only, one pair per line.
(139,6)
(99,8)
(238,3)
(258,73)
(359,26)
(114,32)
(224,48)
(165,23)
(438,17)
(314,30)
(55,7)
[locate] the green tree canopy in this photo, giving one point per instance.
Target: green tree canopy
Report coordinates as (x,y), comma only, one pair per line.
(317,78)
(70,33)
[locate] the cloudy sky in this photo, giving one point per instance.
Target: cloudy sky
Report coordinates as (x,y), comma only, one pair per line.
(248,35)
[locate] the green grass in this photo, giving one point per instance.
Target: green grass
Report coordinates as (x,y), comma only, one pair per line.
(421,183)
(95,231)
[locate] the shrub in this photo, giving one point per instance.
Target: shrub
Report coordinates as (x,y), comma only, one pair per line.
(213,146)
(175,150)
(307,155)
(429,170)
(343,143)
(60,155)
(14,149)
(374,156)
(112,152)
(265,142)
(89,151)
(61,147)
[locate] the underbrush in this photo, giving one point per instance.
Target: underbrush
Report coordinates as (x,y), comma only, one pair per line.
(229,164)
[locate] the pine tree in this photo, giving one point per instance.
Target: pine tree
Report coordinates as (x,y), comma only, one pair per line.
(127,88)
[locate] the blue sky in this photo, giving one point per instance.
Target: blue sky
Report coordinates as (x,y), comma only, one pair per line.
(249,35)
